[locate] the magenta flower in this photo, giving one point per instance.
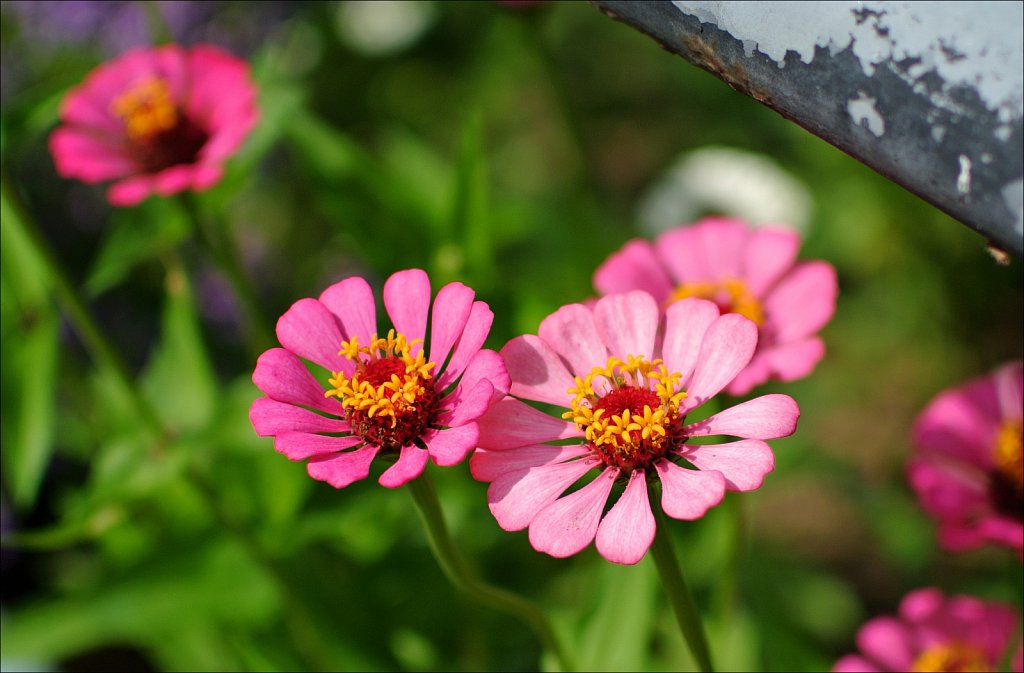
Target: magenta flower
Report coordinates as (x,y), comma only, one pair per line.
(743,270)
(968,469)
(935,633)
(627,392)
(161,119)
(385,396)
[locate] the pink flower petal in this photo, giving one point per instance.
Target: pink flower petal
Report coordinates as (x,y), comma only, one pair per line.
(757,371)
(627,323)
(86,112)
(451,446)
(488,366)
(472,339)
(688,494)
(681,251)
(537,372)
(627,531)
(1009,382)
(342,469)
(489,465)
(634,267)
(206,175)
(570,332)
(887,641)
(515,497)
(407,299)
(310,331)
(949,489)
(954,424)
(270,417)
(90,157)
(566,526)
(765,417)
(510,423)
(130,191)
(409,465)
(769,253)
(728,346)
(451,311)
(469,404)
(173,180)
(796,359)
(723,242)
(744,464)
(686,322)
(803,301)
(852,663)
(351,302)
(302,445)
(283,377)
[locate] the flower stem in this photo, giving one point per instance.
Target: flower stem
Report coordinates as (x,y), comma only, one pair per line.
(218,245)
(678,593)
(297,617)
(81,319)
(464,578)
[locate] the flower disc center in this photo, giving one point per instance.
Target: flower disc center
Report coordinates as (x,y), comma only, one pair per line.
(628,411)
(731,295)
(953,657)
(390,399)
(161,136)
(1006,482)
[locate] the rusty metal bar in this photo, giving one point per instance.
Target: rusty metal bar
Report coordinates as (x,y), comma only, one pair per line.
(929,94)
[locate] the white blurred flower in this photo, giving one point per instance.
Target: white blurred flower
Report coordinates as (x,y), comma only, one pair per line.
(725,181)
(382,27)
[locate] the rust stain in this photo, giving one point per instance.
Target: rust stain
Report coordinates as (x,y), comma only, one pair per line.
(703,55)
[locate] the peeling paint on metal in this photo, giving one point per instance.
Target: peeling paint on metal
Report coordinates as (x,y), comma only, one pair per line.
(862,109)
(967,44)
(963,180)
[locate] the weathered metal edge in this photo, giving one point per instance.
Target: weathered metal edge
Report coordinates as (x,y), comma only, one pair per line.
(815,95)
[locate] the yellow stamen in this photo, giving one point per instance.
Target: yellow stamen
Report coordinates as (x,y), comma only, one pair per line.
(731,294)
(1009,453)
(390,398)
(950,658)
(147,109)
(630,430)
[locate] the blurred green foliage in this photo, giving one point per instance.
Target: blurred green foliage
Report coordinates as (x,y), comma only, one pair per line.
(506,148)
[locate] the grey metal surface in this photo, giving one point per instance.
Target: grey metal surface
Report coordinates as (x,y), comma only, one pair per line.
(929,94)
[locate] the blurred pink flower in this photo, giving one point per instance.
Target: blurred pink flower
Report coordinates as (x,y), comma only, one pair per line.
(628,392)
(386,396)
(743,270)
(161,119)
(967,469)
(935,633)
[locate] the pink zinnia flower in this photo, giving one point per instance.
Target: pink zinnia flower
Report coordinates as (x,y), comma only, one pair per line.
(968,469)
(385,396)
(627,392)
(935,633)
(160,119)
(743,270)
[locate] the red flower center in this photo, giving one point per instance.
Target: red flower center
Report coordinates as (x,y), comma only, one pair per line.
(1006,481)
(955,657)
(159,133)
(390,400)
(628,411)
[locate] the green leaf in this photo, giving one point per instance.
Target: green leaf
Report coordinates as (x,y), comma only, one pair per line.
(136,235)
(30,330)
(179,379)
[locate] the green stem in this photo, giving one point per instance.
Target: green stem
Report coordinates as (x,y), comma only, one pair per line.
(678,593)
(107,360)
(464,578)
(217,243)
(82,321)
